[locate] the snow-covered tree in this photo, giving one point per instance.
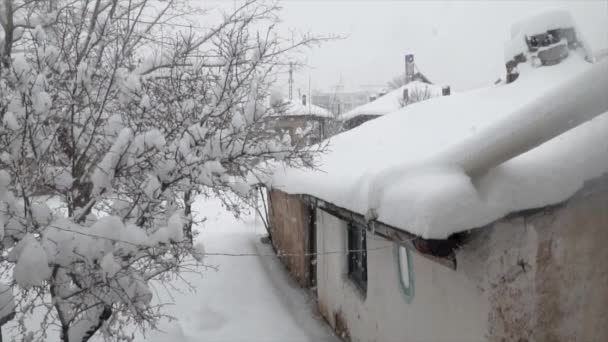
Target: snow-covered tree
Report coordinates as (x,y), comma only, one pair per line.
(120,112)
(415,94)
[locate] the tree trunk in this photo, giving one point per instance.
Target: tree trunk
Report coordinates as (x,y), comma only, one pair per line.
(188,212)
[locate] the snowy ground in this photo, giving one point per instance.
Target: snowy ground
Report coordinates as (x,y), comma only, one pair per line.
(248,298)
(243,298)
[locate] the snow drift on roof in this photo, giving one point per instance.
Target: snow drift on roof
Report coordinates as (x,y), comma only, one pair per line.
(433,197)
(392,101)
(593,38)
(295,108)
(541,21)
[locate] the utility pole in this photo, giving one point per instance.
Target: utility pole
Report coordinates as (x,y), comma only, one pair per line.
(290,81)
(309,95)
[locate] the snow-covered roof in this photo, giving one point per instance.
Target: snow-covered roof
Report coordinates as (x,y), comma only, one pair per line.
(296,108)
(410,177)
(391,101)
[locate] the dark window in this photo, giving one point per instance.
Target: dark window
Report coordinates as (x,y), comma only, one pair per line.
(357,256)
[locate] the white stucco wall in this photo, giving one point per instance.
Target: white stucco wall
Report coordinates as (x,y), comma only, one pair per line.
(545,271)
(539,275)
(446,306)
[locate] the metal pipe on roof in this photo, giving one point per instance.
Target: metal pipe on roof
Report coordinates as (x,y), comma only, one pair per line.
(559,110)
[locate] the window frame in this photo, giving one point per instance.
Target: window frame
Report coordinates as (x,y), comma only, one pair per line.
(357,261)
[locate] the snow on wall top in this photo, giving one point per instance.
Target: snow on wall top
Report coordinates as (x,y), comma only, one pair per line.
(295,108)
(435,199)
(391,101)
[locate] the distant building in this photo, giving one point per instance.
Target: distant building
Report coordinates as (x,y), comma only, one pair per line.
(341,102)
(305,122)
(417,88)
(414,91)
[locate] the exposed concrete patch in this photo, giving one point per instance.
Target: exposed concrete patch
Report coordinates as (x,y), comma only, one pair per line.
(341,327)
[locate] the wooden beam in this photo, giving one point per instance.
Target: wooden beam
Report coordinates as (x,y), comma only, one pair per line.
(378,228)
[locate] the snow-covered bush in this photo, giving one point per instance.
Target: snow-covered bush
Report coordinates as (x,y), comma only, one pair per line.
(416,94)
(123,113)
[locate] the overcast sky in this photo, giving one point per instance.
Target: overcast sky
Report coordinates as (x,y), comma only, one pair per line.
(457,42)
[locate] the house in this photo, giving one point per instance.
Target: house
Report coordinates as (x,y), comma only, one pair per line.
(305,122)
(414,91)
(339,102)
(473,217)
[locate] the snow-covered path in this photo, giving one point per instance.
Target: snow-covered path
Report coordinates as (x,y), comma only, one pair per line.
(236,299)
(248,298)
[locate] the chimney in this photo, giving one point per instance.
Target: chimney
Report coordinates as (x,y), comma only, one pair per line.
(409,68)
(445,91)
(304,100)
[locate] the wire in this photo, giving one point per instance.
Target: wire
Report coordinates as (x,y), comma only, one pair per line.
(214,253)
(346,251)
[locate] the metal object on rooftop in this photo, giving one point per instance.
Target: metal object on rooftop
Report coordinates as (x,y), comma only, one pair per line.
(544,49)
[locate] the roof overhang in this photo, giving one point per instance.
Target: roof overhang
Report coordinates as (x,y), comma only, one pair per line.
(439,251)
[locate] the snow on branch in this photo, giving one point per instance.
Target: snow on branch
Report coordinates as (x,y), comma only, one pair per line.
(122,111)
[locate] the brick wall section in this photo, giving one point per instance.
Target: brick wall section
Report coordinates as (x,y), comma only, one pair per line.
(290,220)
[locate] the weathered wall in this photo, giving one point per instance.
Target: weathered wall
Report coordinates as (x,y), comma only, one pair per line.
(290,231)
(446,305)
(535,276)
(545,272)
